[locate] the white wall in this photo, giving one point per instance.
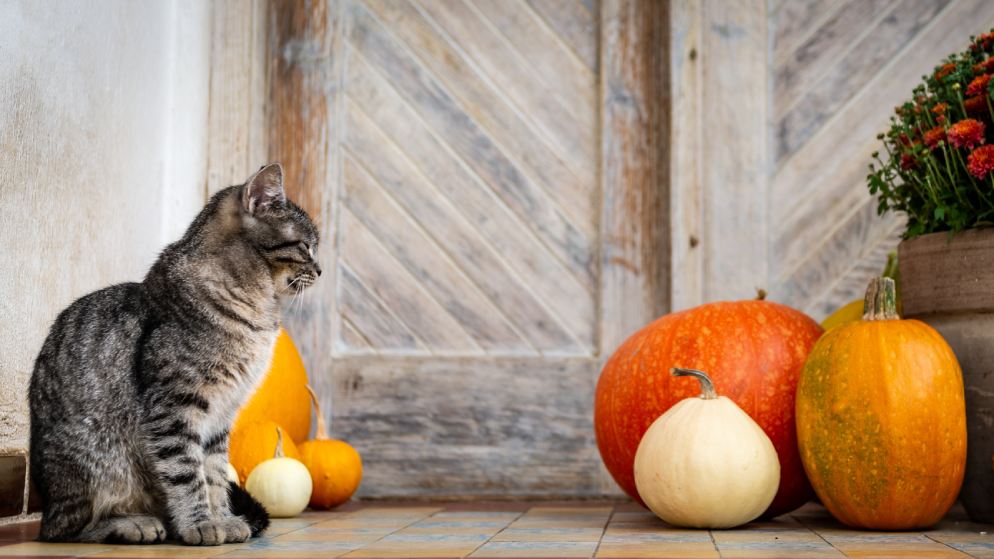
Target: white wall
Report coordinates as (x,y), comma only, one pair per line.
(103,135)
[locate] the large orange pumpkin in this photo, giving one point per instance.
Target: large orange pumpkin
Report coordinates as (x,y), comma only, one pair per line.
(282,397)
(754,350)
(881,419)
(254,443)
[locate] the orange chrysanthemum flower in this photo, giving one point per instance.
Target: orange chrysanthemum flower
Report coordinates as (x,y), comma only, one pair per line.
(979,85)
(966,133)
(940,108)
(985,66)
(944,70)
(981,162)
(976,106)
(934,136)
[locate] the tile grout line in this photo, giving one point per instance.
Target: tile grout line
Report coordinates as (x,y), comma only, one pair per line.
(600,540)
(815,532)
(490,538)
(942,543)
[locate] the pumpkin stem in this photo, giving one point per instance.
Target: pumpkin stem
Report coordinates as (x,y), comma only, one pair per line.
(880,302)
(278,453)
(707,386)
(760,294)
(321,433)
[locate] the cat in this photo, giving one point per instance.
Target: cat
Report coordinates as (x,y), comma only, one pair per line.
(137,385)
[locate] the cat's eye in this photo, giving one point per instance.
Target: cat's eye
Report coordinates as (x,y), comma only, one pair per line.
(305,247)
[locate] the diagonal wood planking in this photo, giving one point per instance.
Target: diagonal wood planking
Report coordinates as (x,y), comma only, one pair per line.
(486,165)
(837,73)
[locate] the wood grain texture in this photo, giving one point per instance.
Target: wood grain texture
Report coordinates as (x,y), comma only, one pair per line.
(735,148)
(635,166)
(237,142)
(414,147)
(686,198)
(485,427)
(304,120)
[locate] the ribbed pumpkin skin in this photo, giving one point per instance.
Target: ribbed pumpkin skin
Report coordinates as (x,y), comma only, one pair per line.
(753,350)
(881,424)
(282,396)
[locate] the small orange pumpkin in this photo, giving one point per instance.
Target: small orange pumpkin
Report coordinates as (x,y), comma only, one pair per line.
(881,419)
(336,468)
(282,395)
(252,444)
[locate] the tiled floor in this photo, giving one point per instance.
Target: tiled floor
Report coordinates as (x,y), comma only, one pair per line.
(541,530)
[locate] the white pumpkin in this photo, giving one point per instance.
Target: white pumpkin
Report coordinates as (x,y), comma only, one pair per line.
(705,463)
(283,485)
(232,474)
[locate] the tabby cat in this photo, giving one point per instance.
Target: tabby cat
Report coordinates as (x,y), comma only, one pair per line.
(136,385)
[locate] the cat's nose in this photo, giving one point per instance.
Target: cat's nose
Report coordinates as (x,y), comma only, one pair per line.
(317,269)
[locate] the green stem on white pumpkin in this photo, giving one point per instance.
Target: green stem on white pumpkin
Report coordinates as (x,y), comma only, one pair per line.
(707,386)
(278,453)
(321,433)
(880,302)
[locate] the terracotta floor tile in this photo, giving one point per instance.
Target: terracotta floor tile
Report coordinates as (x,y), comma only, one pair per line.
(536,549)
(549,535)
(39,549)
(657,549)
(167,550)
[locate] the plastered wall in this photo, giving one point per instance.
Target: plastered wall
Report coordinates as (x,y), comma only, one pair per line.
(103,116)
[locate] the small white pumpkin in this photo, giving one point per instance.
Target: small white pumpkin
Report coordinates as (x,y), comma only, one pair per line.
(705,463)
(283,485)
(232,474)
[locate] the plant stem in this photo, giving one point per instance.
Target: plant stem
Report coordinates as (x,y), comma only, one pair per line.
(707,386)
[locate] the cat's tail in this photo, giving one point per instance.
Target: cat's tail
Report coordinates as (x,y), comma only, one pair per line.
(244,505)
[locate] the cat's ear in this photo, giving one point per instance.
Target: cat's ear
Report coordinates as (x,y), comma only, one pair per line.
(264,189)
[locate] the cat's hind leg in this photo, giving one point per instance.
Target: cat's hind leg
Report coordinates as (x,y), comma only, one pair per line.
(137,529)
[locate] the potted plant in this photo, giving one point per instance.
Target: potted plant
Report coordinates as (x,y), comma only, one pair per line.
(939,171)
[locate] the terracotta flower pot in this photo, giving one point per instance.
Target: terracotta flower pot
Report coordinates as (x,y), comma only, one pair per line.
(948,282)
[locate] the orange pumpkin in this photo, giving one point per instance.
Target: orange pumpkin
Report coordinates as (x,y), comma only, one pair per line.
(754,350)
(881,419)
(282,395)
(336,468)
(252,444)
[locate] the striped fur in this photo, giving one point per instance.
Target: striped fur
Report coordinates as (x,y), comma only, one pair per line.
(136,386)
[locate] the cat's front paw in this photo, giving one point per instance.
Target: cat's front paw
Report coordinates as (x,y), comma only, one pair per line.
(236,530)
(209,532)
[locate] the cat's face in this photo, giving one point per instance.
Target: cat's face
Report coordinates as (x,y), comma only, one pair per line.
(281,231)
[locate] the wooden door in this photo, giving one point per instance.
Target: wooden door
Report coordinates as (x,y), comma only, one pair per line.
(479,202)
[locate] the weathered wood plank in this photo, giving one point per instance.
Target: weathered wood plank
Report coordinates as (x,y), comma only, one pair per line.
(493,426)
(575,24)
(305,83)
(540,48)
(554,284)
(452,233)
(735,156)
(480,307)
(797,74)
(796,21)
(236,140)
(635,167)
(848,75)
(383,276)
(371,318)
(686,204)
(473,146)
(571,126)
(514,131)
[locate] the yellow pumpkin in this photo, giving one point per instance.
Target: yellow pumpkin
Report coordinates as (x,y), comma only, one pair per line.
(335,467)
(255,443)
(282,396)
